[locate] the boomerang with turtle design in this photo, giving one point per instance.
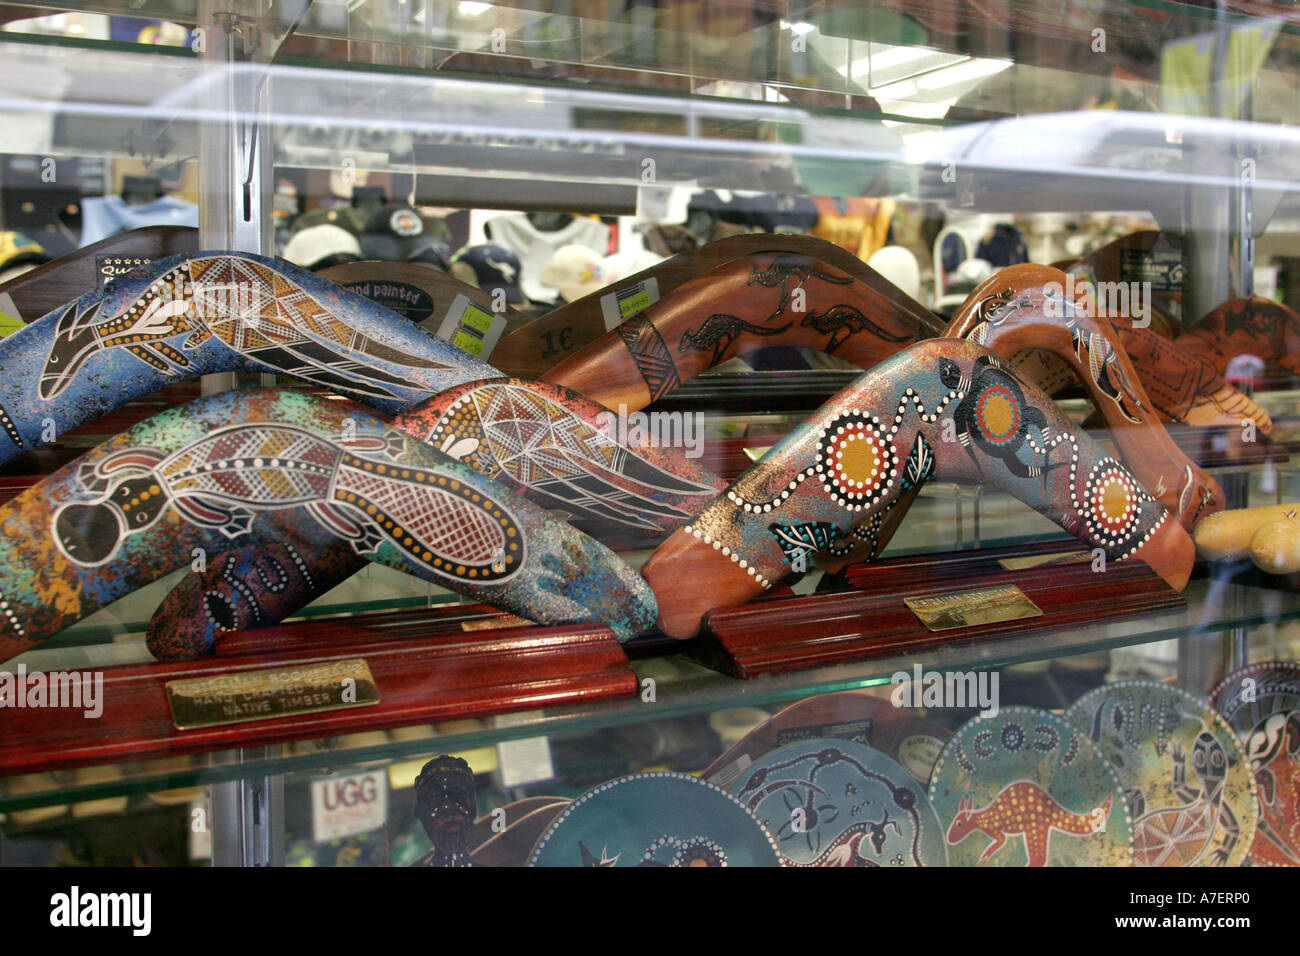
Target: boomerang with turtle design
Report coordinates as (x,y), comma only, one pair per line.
(830,483)
(239,467)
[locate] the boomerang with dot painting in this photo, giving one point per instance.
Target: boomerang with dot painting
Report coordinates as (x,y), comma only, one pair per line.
(235,468)
(875,442)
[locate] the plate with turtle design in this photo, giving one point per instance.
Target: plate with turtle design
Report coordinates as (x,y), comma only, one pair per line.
(1025,788)
(832,802)
(656,819)
(1261,703)
(1186,779)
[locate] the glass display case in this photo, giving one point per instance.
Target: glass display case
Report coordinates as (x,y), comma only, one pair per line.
(1022,272)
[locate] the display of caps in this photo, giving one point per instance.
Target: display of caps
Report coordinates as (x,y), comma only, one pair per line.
(318,247)
(395,232)
(576,271)
(490,267)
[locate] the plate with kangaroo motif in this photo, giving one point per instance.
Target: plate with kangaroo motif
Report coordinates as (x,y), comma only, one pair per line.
(1025,788)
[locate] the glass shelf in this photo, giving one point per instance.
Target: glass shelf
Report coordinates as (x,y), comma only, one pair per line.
(684,687)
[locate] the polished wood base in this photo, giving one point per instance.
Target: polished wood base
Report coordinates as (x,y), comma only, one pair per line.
(424,673)
(871,620)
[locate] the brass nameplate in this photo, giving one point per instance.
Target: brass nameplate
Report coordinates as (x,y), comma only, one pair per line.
(492,623)
(261,695)
(1006,602)
(1038,560)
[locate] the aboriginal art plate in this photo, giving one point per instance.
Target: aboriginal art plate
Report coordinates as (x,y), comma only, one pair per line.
(1186,780)
(1261,703)
(833,802)
(656,819)
(859,716)
(1025,788)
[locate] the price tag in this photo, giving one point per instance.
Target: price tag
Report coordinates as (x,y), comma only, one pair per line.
(470,328)
(620,305)
(343,806)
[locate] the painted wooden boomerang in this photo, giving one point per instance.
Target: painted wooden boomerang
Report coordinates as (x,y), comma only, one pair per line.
(651,354)
(239,467)
(540,440)
(535,349)
(828,484)
(1027,307)
(213,312)
(56,283)
(1246,326)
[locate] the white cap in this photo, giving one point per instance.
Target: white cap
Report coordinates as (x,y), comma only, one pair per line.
(899,266)
(575,270)
(317,243)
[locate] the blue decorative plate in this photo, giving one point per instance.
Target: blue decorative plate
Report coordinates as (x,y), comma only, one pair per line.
(831,802)
(656,819)
(1025,788)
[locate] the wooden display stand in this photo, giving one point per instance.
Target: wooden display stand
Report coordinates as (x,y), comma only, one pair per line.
(796,633)
(426,669)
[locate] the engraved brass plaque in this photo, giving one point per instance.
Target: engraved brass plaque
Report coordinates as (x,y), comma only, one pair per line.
(264,694)
(946,612)
(1039,560)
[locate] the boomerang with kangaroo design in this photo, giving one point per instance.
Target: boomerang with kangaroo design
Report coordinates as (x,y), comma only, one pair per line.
(650,355)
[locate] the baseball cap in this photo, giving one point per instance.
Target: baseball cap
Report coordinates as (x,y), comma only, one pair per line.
(490,267)
(575,270)
(395,232)
(317,247)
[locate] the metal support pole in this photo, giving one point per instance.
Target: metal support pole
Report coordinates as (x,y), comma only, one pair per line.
(248,815)
(235,183)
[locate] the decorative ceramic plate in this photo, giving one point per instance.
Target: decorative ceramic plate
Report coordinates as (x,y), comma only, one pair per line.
(833,802)
(861,716)
(1187,782)
(1025,788)
(1261,703)
(656,819)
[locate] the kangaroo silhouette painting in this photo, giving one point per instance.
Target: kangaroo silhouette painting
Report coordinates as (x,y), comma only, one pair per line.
(1026,810)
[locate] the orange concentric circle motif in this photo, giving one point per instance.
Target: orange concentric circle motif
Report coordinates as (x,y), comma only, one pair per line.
(856,460)
(1112,502)
(997,415)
